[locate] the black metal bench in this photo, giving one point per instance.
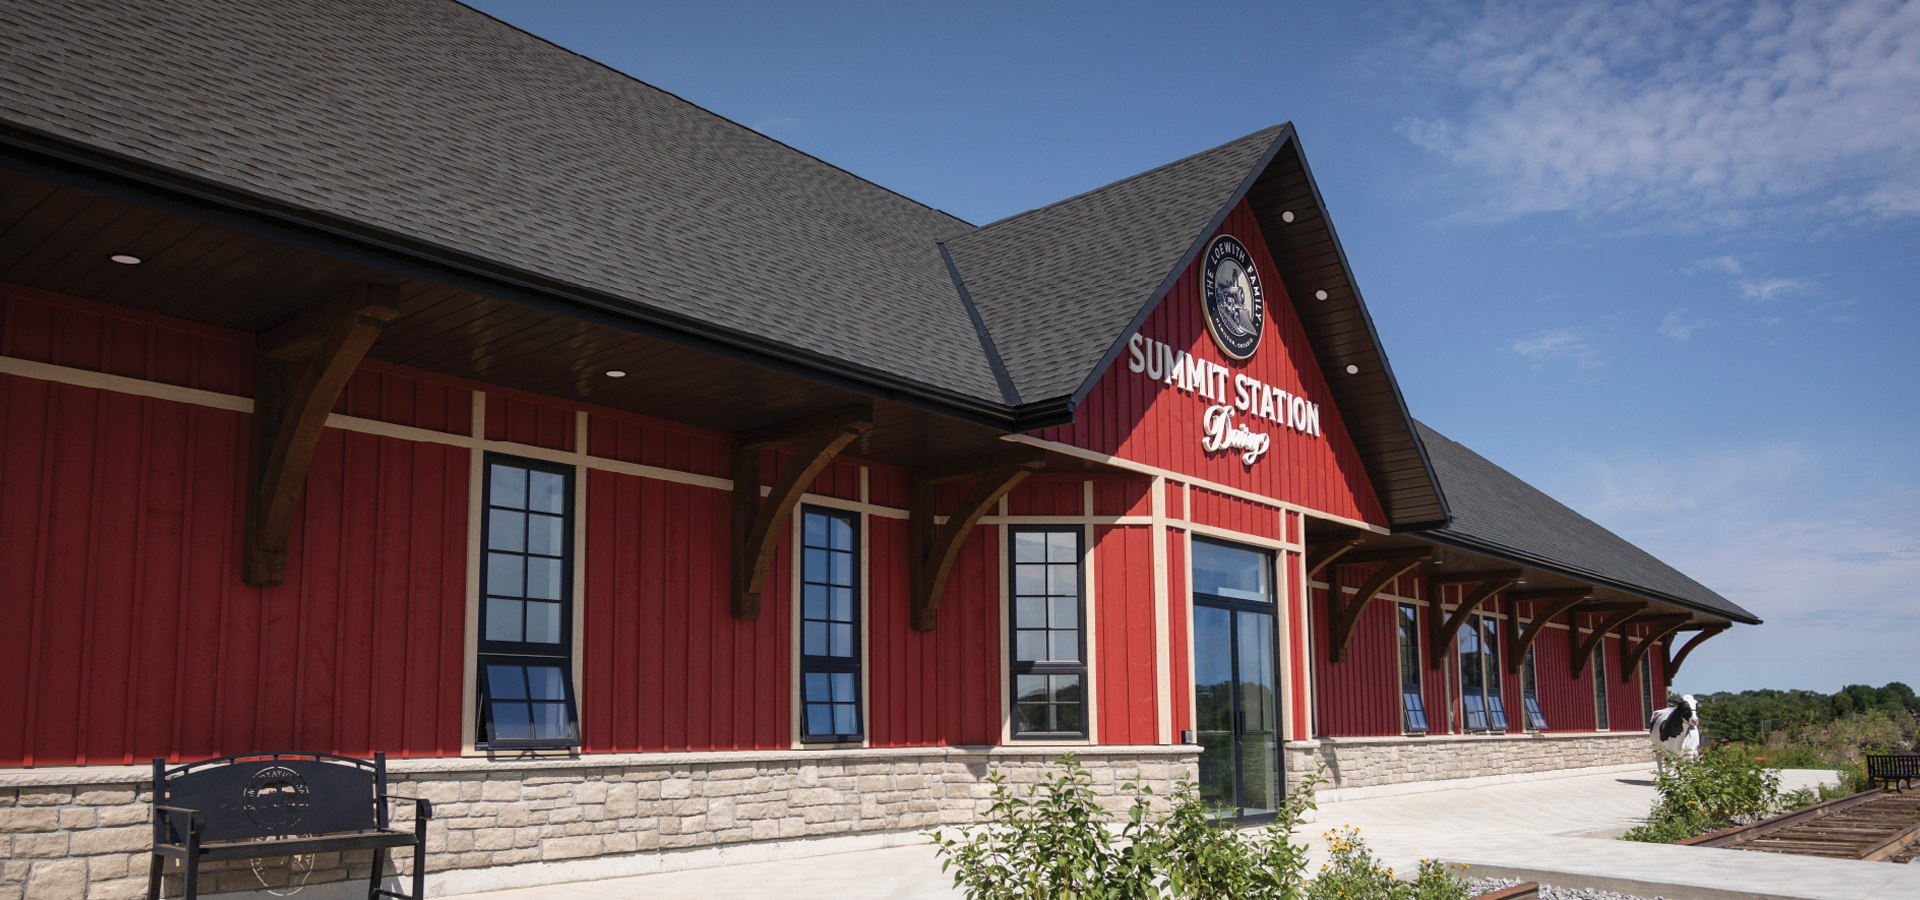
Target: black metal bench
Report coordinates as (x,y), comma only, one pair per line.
(1892,769)
(279,804)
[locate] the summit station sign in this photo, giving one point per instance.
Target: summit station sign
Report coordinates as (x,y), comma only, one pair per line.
(1234,308)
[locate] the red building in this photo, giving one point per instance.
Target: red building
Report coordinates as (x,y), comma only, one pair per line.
(383,378)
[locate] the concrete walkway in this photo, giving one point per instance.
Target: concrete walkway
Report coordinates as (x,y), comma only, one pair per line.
(1546,831)
(1543,830)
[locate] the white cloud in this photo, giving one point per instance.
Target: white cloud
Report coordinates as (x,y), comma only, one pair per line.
(1832,307)
(1751,287)
(1681,115)
(1764,289)
(1676,326)
(1552,345)
(1726,264)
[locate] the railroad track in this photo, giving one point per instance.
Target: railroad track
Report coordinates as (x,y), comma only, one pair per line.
(1877,825)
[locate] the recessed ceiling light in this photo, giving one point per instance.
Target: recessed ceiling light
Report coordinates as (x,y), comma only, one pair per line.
(124,259)
(616,373)
(1287,216)
(1319,295)
(1353,370)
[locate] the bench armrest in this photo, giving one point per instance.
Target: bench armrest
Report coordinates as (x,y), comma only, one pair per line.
(196,822)
(422,808)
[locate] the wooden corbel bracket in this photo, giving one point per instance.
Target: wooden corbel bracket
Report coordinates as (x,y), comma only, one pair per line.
(1617,614)
(1320,555)
(1662,626)
(1440,634)
(932,547)
(290,409)
(1344,616)
(757,521)
(1673,661)
(1558,600)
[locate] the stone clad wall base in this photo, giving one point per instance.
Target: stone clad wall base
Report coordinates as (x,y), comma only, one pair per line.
(1373,767)
(84,833)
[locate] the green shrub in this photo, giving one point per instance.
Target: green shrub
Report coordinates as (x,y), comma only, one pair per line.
(1054,841)
(1720,788)
(1195,857)
(1353,873)
(1802,798)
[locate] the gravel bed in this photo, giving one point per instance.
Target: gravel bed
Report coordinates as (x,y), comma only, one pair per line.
(1550,892)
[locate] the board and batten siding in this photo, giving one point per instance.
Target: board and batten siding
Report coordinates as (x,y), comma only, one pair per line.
(943,686)
(121,514)
(1359,696)
(1127,673)
(1157,424)
(119,524)
(120,517)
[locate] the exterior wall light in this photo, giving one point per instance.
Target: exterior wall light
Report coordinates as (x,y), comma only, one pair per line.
(125,259)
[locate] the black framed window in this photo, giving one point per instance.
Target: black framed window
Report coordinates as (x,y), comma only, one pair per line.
(1413,709)
(1049,665)
(1490,660)
(526,615)
(1646,689)
(1601,722)
(1480,701)
(829,626)
(1529,694)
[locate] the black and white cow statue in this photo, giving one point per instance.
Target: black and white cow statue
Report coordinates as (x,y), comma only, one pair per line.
(1676,729)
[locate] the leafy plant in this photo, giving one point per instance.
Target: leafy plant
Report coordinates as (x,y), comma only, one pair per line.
(1056,841)
(1051,842)
(1719,788)
(1201,859)
(1352,872)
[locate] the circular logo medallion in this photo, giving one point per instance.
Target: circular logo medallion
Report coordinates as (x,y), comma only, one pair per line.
(1235,306)
(276,798)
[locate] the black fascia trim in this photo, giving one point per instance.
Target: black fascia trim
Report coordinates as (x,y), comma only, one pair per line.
(1366,318)
(136,181)
(1008,392)
(1280,140)
(1511,555)
(1044,414)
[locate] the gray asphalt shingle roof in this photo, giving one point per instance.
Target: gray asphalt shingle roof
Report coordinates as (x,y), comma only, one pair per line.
(429,120)
(1106,251)
(1491,506)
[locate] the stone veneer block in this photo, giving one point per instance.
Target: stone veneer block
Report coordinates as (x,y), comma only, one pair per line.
(1356,764)
(84,832)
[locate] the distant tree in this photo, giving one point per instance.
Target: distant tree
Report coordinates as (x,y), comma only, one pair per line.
(1751,715)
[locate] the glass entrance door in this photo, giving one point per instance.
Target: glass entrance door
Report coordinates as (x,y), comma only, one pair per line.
(1236,691)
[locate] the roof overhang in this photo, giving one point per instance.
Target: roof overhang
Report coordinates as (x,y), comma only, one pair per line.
(143,183)
(1486,548)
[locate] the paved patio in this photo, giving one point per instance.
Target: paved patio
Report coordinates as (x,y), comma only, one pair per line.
(1552,830)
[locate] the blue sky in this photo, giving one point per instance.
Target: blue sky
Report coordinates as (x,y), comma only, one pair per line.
(1660,259)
